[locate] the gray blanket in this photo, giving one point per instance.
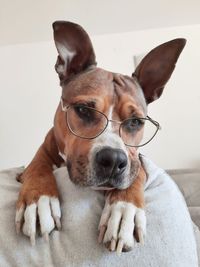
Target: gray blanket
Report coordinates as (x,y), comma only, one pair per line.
(169,242)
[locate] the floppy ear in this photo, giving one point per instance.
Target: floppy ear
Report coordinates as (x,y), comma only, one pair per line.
(155,69)
(74,48)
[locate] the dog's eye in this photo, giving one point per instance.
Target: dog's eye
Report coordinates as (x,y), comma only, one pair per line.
(133,124)
(84,112)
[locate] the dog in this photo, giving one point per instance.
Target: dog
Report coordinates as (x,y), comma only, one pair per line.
(98,128)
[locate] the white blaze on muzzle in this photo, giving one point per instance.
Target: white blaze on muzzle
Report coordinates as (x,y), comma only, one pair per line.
(109,138)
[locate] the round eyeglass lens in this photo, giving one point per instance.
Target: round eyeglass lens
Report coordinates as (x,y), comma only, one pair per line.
(85,122)
(137,131)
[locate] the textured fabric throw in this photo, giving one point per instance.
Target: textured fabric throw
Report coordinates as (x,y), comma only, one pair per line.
(170,240)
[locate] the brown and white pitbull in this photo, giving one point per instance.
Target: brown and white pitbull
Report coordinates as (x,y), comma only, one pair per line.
(98,128)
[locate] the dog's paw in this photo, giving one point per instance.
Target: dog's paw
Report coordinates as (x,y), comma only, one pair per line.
(46,211)
(118,224)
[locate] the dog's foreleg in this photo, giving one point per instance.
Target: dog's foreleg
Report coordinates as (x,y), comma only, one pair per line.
(123,216)
(39,194)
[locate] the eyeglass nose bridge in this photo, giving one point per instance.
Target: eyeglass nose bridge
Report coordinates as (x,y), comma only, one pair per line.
(115,122)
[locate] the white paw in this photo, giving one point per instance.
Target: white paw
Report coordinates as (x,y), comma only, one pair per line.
(47,209)
(118,223)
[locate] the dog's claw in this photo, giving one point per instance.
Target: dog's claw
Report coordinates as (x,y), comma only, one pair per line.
(32,239)
(140,236)
(113,245)
(58,223)
(120,247)
(18,227)
(46,237)
(102,231)
(18,219)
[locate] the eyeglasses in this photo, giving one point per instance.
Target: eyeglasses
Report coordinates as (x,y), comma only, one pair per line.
(88,123)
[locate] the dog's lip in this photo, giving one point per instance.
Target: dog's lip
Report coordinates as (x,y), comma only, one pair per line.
(103,186)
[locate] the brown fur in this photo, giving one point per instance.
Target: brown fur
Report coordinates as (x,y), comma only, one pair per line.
(38,178)
(134,194)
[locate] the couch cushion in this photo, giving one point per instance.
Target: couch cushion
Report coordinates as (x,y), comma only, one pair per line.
(188,181)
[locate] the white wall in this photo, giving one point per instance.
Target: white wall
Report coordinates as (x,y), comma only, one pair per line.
(24,21)
(29,94)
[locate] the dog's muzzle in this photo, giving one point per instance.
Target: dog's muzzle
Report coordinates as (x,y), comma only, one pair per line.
(110,165)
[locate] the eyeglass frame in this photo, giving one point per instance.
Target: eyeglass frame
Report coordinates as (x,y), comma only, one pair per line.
(65,109)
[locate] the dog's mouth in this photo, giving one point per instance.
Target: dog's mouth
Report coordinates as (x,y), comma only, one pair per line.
(103,186)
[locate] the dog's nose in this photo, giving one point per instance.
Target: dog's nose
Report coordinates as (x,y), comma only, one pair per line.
(111,162)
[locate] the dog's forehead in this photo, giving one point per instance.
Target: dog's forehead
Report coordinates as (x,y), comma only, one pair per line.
(90,82)
(100,83)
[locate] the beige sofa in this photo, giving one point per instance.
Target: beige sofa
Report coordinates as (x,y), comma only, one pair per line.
(188,181)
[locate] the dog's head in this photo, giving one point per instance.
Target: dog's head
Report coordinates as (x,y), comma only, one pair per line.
(100,121)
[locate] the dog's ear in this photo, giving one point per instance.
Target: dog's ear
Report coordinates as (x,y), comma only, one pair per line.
(156,67)
(74,48)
